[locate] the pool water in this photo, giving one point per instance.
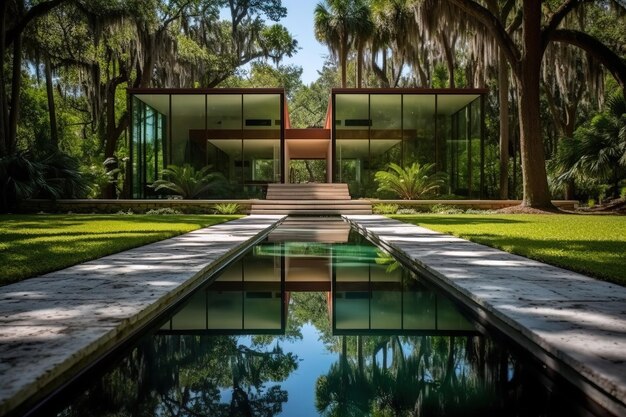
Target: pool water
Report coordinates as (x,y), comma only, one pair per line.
(315,320)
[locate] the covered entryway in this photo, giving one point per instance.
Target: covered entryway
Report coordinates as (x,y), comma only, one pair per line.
(308,156)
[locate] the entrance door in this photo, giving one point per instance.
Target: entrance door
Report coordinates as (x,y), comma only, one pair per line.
(307,170)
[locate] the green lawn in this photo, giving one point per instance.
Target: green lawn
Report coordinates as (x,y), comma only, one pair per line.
(31,245)
(593,245)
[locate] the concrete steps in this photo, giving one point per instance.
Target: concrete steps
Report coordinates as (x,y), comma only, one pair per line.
(308,192)
(310,200)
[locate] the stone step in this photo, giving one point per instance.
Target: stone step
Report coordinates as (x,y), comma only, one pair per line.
(312,212)
(310,199)
(336,191)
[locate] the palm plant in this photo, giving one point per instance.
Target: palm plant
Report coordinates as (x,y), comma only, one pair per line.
(46,174)
(409,183)
(598,149)
(187,182)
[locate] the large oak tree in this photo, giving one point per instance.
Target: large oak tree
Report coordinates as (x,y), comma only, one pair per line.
(525,58)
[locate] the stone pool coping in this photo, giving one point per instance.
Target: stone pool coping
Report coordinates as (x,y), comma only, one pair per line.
(52,325)
(573,323)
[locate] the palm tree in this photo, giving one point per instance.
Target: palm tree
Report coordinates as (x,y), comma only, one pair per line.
(409,183)
(186,182)
(362,32)
(335,23)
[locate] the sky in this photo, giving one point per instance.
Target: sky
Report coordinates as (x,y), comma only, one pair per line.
(299,22)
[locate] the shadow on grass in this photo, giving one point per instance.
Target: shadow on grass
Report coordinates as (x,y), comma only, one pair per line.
(24,255)
(51,221)
(424,220)
(600,259)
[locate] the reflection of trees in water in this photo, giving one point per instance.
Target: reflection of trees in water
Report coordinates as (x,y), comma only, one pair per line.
(413,376)
(190,376)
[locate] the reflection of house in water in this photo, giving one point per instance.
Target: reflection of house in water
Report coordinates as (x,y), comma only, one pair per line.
(367,292)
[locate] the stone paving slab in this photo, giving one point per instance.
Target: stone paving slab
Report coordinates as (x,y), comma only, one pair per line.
(577,319)
(52,323)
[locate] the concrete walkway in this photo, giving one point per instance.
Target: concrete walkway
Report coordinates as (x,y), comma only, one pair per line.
(53,324)
(556,313)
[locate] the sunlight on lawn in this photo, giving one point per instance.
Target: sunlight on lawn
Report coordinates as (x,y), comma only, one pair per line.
(593,245)
(31,245)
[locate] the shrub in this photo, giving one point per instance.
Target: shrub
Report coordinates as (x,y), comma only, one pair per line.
(227,208)
(125,213)
(407,211)
(383,208)
(163,210)
(623,193)
(444,209)
(47,173)
(186,182)
(478,211)
(411,182)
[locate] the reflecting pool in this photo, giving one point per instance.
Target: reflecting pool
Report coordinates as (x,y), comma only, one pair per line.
(315,320)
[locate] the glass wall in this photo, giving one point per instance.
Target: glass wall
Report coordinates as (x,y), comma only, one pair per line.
(372,130)
(234,133)
(148,146)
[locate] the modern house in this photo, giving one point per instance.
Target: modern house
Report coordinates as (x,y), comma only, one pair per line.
(246,135)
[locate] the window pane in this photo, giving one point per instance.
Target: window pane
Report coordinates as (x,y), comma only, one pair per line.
(419,129)
(188,135)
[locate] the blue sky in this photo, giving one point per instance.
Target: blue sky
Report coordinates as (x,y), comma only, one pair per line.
(299,22)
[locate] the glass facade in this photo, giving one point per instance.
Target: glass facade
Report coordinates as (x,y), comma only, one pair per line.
(241,134)
(237,134)
(373,129)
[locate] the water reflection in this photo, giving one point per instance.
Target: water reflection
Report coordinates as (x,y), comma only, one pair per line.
(384,343)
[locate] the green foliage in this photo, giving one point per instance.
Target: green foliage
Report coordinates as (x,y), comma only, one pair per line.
(263,75)
(445,209)
(227,208)
(32,245)
(45,174)
(188,183)
(597,152)
(166,210)
(384,208)
(410,183)
(592,245)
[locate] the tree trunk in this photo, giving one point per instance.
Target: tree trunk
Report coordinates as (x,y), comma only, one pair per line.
(447,48)
(359,66)
(4,108)
(16,84)
(343,57)
(503,99)
(536,192)
(54,134)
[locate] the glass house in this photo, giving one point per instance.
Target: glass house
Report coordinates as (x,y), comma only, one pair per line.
(246,135)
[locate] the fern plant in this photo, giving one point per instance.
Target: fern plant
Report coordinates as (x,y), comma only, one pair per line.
(226,208)
(410,183)
(187,182)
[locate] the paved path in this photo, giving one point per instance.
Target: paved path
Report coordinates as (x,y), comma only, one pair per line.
(51,324)
(577,319)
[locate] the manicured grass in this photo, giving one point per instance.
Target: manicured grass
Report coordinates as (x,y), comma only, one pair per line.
(31,245)
(592,245)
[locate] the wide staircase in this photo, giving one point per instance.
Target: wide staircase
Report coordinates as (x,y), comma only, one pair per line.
(310,200)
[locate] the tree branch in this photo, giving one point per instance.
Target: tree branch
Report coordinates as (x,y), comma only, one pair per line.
(34,12)
(595,48)
(556,18)
(492,23)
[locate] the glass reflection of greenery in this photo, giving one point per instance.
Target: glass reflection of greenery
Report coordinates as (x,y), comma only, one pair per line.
(191,375)
(411,375)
